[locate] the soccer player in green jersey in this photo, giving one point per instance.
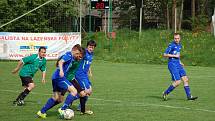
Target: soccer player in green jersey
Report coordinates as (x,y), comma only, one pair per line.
(29,66)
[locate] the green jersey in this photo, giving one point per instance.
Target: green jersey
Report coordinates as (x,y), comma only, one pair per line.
(72,69)
(31,64)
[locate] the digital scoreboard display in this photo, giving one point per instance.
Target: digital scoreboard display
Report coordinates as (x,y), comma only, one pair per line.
(99,4)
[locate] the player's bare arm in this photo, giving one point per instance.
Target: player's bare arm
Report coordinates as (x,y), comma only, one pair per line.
(44,77)
(19,65)
(90,72)
(171,55)
(60,63)
(181,63)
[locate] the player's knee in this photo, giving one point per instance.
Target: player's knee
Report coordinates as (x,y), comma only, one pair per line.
(88,91)
(83,94)
(185,79)
(176,83)
(60,100)
(73,91)
(55,97)
(31,86)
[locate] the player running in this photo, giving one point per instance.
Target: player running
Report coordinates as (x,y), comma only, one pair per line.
(176,68)
(29,66)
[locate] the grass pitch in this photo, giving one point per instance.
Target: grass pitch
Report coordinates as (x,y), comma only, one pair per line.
(121,92)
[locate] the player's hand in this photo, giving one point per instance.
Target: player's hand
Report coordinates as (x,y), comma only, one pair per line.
(43,81)
(61,74)
(90,74)
(14,70)
(182,64)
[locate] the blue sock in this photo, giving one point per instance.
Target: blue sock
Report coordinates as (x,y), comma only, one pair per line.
(187,90)
(86,98)
(49,104)
(170,89)
(69,99)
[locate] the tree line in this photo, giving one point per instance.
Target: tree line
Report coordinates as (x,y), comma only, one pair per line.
(62,15)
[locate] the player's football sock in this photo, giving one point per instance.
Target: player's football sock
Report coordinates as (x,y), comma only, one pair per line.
(69,99)
(23,94)
(41,115)
(170,89)
(79,106)
(187,91)
(49,104)
(82,102)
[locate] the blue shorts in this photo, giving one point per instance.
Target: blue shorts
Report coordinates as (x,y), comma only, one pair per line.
(84,82)
(177,71)
(60,84)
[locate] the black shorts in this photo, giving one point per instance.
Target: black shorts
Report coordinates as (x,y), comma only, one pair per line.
(76,85)
(26,80)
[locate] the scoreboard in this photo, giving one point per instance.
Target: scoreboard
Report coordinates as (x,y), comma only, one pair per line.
(100,4)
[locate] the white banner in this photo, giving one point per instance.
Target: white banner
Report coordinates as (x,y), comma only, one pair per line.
(14,46)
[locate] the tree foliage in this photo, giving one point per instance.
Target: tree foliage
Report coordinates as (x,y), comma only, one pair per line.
(54,16)
(59,15)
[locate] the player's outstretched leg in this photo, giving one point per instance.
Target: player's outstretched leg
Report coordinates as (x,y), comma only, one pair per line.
(165,94)
(69,99)
(49,104)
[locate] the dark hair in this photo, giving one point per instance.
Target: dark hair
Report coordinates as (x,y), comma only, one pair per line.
(176,34)
(79,48)
(42,47)
(91,43)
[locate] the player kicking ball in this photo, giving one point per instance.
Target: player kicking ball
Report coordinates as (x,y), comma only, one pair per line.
(59,81)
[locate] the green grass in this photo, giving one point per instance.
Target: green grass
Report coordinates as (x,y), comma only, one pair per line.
(121,92)
(198,48)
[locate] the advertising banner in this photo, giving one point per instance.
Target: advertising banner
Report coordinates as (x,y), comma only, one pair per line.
(14,46)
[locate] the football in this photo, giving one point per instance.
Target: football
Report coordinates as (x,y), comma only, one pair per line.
(68,114)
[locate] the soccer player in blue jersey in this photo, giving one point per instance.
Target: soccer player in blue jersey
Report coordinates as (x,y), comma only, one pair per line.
(59,81)
(176,68)
(29,66)
(83,73)
(83,79)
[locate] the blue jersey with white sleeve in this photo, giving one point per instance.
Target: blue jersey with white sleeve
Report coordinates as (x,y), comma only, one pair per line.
(173,49)
(82,73)
(85,64)
(68,59)
(176,69)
